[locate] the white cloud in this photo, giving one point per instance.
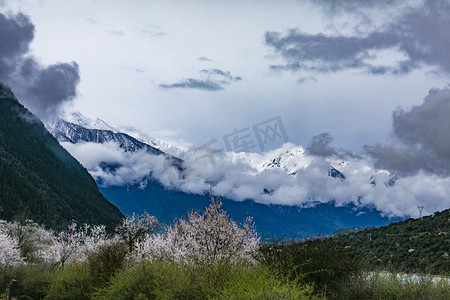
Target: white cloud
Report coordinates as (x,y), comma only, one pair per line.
(245,178)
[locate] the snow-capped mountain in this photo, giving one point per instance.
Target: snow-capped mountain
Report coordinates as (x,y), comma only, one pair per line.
(65,131)
(291,158)
(74,127)
(79,119)
(294,159)
(154,142)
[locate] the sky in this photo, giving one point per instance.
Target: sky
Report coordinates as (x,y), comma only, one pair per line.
(154,65)
(361,80)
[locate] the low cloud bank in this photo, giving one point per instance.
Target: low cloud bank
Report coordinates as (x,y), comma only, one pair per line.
(252,177)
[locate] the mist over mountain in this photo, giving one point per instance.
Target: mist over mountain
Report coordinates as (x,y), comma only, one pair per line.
(137,178)
(288,176)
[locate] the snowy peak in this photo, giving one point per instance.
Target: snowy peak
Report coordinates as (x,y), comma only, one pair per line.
(65,131)
(388,178)
(154,142)
(70,126)
(88,123)
(291,160)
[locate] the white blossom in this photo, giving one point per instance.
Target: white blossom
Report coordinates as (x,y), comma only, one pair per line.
(137,228)
(208,238)
(9,251)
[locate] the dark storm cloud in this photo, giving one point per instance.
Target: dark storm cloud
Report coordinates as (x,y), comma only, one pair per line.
(16,34)
(43,89)
(320,145)
(211,80)
(423,135)
(51,86)
(420,34)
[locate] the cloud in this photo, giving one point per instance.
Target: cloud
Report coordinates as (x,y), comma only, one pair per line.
(211,80)
(118,33)
(137,70)
(92,21)
(16,34)
(193,84)
(49,87)
(43,89)
(204,59)
(418,35)
(112,165)
(306,79)
(355,6)
(153,33)
(248,176)
(320,145)
(422,138)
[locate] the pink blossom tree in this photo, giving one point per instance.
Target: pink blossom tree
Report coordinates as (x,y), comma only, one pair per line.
(9,251)
(208,238)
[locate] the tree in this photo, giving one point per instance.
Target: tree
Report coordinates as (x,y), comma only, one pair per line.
(136,228)
(208,238)
(9,251)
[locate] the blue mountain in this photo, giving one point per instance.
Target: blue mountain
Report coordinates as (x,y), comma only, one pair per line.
(272,221)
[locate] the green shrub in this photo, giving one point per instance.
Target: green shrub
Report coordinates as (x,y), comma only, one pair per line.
(389,286)
(108,259)
(259,283)
(74,281)
(157,280)
(312,262)
(165,280)
(32,280)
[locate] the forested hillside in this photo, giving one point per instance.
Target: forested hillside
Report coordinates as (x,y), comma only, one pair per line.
(39,179)
(413,245)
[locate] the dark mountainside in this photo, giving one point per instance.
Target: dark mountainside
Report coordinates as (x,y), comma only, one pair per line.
(41,180)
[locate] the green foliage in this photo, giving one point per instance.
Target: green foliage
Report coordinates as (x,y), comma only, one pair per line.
(157,280)
(73,282)
(413,245)
(31,280)
(168,280)
(107,260)
(310,262)
(41,179)
(79,280)
(389,286)
(260,283)
(165,280)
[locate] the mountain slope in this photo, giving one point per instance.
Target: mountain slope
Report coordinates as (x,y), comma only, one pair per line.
(41,179)
(413,245)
